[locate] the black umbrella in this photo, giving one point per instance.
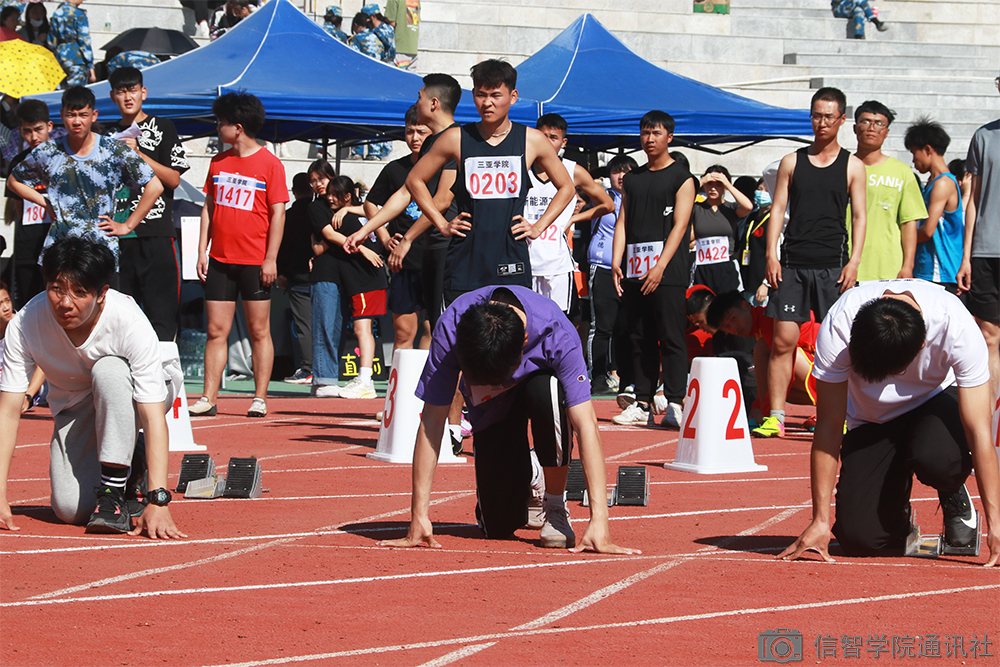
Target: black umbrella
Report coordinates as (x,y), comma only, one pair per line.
(157,41)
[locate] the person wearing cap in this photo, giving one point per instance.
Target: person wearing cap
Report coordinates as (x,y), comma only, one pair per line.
(383,30)
(332,21)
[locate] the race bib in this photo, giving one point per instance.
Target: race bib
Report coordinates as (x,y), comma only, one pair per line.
(493,177)
(641,257)
(712,250)
(483,393)
(235,191)
(34,214)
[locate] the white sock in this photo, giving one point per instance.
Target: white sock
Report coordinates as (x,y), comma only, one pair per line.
(365,374)
(780,414)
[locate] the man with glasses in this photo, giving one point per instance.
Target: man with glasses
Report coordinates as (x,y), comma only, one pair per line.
(980,271)
(815,184)
(894,201)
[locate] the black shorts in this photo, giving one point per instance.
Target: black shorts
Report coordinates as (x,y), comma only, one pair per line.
(983,299)
(227,281)
(802,291)
(406,292)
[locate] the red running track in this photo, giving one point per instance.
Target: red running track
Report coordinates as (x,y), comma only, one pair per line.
(297,577)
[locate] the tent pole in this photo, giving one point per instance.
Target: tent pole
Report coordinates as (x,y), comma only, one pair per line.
(326,141)
(336,147)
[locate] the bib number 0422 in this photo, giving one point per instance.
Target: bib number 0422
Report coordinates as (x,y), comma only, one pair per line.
(694,393)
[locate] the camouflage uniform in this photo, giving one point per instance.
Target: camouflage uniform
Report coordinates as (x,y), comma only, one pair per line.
(82,190)
(336,33)
(387,35)
(136,59)
(69,39)
(368,43)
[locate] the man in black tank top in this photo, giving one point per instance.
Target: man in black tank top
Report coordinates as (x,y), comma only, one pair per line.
(815,184)
(489,237)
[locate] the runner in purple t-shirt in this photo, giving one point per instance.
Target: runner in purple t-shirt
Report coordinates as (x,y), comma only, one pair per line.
(520,360)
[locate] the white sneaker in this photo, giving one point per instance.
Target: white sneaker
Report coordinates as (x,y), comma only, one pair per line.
(202,408)
(357,388)
(659,402)
(673,417)
(633,415)
(557,533)
(258,408)
(326,391)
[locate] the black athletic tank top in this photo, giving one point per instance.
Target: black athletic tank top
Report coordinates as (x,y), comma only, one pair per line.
(816,235)
(492,185)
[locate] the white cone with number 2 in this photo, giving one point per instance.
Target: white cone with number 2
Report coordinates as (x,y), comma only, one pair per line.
(401,415)
(178,419)
(715,436)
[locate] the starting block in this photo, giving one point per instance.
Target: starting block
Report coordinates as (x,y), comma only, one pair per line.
(934,546)
(632,487)
(198,478)
(243,479)
(715,436)
(194,467)
(576,484)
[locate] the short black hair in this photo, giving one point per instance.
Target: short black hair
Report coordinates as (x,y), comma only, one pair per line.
(720,306)
(829,94)
(491,74)
(926,132)
(677,156)
(746,185)
(85,263)
(445,88)
(886,336)
(300,185)
(8,11)
(489,343)
(620,163)
(956,167)
(719,169)
(125,77)
(322,166)
(77,98)
(698,301)
(657,118)
(411,117)
(362,20)
(31,112)
(341,186)
(871,106)
(553,120)
(241,108)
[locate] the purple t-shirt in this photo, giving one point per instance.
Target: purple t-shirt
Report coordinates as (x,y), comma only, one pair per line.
(553,344)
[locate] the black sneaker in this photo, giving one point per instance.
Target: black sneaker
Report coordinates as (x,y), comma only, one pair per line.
(456,445)
(960,520)
(111,514)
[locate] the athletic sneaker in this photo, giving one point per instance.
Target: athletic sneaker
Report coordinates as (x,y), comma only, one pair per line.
(810,424)
(880,25)
(557,533)
(626,396)
(111,514)
(673,416)
(466,427)
(633,415)
(659,401)
(326,391)
(300,377)
(258,408)
(960,520)
(358,388)
(771,428)
(612,381)
(203,408)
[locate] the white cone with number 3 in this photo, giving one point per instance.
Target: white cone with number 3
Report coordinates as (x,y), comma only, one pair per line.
(401,415)
(178,419)
(715,436)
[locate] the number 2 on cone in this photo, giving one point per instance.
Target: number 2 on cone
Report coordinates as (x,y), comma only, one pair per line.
(731,386)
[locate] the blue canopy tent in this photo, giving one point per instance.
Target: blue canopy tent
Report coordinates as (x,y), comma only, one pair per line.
(602,89)
(312,86)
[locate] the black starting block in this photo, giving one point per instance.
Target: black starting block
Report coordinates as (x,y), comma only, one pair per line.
(633,486)
(243,479)
(576,483)
(934,546)
(194,467)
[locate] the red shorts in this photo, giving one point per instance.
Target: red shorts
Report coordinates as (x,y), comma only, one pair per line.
(368,304)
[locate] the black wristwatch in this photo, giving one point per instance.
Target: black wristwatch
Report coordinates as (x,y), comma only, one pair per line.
(158,497)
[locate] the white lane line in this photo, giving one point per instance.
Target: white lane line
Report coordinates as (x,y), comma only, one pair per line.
(322,451)
(157,570)
(777,518)
(386,515)
(622,455)
(244,422)
(596,596)
(455,656)
(286,659)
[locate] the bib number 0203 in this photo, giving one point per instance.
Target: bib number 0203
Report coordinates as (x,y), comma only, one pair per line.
(694,393)
(493,177)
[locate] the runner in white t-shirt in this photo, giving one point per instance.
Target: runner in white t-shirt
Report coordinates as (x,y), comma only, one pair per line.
(96,347)
(552,264)
(904,363)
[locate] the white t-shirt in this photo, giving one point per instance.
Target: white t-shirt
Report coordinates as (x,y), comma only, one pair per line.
(550,254)
(954,353)
(34,337)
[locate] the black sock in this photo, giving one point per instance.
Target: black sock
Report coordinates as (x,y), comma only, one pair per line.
(114,476)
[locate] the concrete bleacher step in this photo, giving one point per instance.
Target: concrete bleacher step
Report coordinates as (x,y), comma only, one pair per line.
(919,86)
(908,61)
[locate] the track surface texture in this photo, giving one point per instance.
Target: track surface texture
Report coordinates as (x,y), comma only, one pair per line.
(297,576)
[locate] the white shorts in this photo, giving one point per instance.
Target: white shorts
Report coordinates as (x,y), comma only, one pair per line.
(559,288)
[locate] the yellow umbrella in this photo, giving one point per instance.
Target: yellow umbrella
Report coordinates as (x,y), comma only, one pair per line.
(28,69)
